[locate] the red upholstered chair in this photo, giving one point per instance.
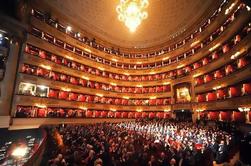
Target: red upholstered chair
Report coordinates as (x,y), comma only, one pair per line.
(218,74)
(83,82)
(234,91)
(74,65)
(124,102)
(89,99)
(221,94)
(138,115)
(55,59)
(61,112)
(160,115)
(53,75)
(117,77)
(226,116)
(159,89)
(150,78)
(104,114)
(81,97)
(117,89)
(152,102)
(143,78)
(65,62)
(130,90)
(131,115)
(124,89)
(208,78)
(40,72)
(151,89)
(117,114)
(138,90)
(145,115)
(63,95)
(211,96)
(41,112)
(96,99)
(111,75)
(201,98)
(73,96)
(138,102)
(89,114)
(90,84)
(215,56)
(145,90)
(97,85)
(180,72)
(124,114)
(105,74)
(118,101)
(205,61)
(111,114)
(199,80)
(53,93)
(242,62)
(225,48)
(166,88)
(159,101)
(82,68)
(188,69)
(151,115)
(157,77)
(229,69)
(63,77)
(246,88)
(167,101)
(97,114)
(167,115)
(196,65)
(42,54)
(239,116)
(74,80)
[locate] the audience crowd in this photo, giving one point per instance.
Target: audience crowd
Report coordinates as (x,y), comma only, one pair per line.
(140,143)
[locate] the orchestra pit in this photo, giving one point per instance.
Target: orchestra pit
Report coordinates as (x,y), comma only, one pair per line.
(125,83)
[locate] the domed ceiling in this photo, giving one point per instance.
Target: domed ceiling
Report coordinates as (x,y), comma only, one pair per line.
(165,19)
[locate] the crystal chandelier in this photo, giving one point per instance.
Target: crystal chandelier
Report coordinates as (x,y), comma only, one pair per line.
(132,12)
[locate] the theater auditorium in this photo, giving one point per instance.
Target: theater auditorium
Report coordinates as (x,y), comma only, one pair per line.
(125,83)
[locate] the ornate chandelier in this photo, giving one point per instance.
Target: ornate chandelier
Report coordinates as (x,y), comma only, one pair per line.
(132,12)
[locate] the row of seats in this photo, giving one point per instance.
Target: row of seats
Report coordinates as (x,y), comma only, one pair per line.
(51,112)
(170,74)
(72,96)
(223,115)
(55,76)
(224,71)
(62,44)
(227,92)
(91,42)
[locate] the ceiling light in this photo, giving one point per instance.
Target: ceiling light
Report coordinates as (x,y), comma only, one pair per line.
(86,78)
(101,68)
(115,60)
(153,97)
(113,109)
(125,97)
(66,89)
(83,108)
(166,83)
(114,84)
(132,12)
(68,57)
(88,50)
(165,58)
(214,47)
(138,85)
(78,34)
(139,110)
(100,95)
(41,105)
(68,28)
(19,152)
(46,67)
(248,8)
